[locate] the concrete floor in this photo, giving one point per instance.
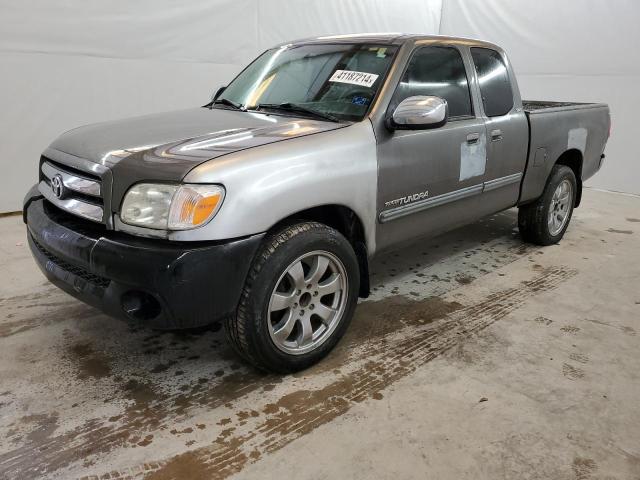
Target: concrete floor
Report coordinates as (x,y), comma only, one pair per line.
(477,357)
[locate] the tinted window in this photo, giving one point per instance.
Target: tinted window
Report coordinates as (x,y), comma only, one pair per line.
(495,86)
(437,71)
(341,80)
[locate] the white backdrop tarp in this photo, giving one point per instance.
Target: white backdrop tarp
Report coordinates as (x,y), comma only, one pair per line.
(69,62)
(574,50)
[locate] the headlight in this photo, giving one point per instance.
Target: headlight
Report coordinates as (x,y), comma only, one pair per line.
(171,207)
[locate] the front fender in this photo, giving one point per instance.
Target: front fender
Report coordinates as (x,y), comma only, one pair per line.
(268,183)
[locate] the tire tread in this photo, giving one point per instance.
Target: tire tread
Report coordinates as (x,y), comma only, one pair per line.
(532,222)
(235,325)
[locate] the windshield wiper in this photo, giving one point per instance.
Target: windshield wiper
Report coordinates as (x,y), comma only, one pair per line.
(229,103)
(294,107)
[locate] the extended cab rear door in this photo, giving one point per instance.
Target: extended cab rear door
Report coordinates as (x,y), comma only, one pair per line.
(506,126)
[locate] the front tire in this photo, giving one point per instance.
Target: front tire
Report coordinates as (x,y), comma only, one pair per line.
(298,299)
(545,221)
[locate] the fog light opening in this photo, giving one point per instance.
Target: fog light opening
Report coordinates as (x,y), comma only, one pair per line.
(140,305)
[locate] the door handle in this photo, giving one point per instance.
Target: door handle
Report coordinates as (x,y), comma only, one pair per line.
(473,138)
(496,135)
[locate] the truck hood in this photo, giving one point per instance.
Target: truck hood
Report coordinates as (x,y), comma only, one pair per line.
(167,146)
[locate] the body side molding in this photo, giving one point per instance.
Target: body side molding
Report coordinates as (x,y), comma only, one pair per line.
(501,182)
(404,210)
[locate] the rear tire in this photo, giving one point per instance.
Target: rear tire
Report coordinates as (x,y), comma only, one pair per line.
(298,299)
(545,221)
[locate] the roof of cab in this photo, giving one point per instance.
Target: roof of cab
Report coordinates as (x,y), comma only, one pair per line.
(389,39)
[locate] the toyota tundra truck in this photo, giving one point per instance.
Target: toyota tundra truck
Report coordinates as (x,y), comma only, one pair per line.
(263,208)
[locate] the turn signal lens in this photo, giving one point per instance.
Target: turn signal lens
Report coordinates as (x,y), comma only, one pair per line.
(171,207)
(194,205)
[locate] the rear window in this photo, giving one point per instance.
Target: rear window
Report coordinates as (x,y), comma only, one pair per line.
(493,78)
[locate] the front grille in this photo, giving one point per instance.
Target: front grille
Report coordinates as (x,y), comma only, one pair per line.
(96,280)
(71,170)
(73,222)
(72,190)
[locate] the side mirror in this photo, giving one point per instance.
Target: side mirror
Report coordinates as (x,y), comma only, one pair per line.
(419,113)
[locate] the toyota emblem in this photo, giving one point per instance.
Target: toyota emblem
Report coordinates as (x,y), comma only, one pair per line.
(57,185)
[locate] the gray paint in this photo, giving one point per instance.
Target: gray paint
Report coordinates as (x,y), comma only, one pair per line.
(177,141)
(502,182)
(273,166)
(268,183)
(425,204)
(166,146)
(549,129)
(403,211)
(540,157)
(439,161)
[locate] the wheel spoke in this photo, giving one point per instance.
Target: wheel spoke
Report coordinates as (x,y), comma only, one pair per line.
(297,275)
(284,327)
(307,331)
(560,207)
(298,321)
(318,269)
(324,312)
(330,285)
(280,301)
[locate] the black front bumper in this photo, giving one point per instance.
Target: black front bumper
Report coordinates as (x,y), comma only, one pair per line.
(164,284)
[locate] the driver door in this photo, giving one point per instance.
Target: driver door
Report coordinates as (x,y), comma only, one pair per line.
(430,180)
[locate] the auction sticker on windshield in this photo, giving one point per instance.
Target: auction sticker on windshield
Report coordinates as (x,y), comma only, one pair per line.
(356,78)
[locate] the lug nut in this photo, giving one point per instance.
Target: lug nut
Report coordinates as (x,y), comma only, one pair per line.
(315,294)
(301,312)
(311,307)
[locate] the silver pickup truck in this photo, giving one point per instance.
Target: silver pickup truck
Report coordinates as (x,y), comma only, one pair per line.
(264,207)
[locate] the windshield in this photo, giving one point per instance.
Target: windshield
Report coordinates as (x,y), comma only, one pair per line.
(337,81)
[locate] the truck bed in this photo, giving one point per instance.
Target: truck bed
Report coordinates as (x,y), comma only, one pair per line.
(555,128)
(535,106)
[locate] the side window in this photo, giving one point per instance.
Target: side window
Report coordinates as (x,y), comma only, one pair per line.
(493,78)
(437,71)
